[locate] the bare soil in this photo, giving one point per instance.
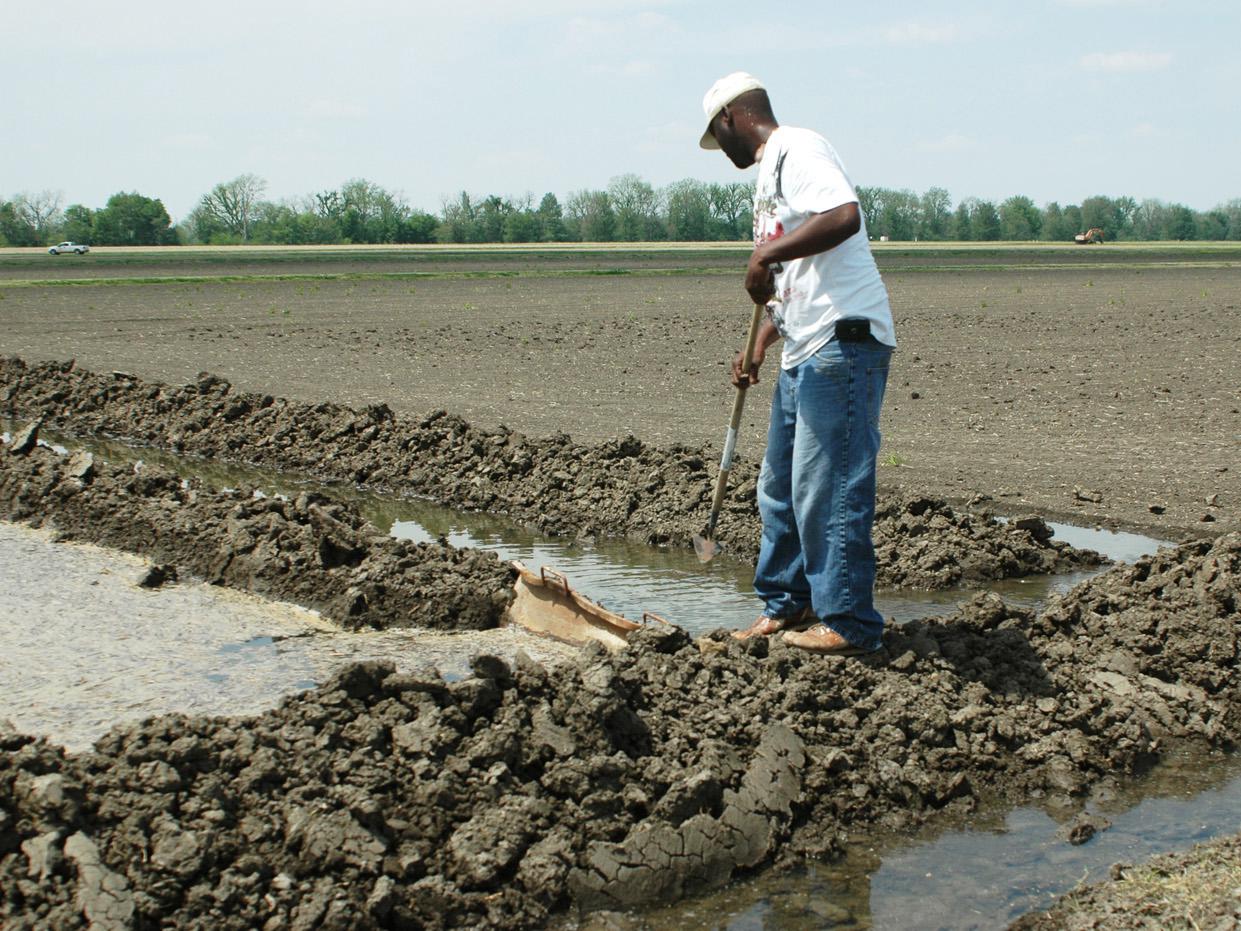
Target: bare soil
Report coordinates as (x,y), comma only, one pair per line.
(1106,392)
(1095,385)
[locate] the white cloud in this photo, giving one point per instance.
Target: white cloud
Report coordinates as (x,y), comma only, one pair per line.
(1118,62)
(952,142)
(921,34)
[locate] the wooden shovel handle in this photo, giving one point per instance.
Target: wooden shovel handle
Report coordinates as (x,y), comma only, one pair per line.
(730,438)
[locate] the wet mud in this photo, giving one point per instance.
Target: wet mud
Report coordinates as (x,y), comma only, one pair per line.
(385,799)
(395,800)
(308,550)
(617,488)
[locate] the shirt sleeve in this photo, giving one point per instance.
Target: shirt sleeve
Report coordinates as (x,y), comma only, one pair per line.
(813,180)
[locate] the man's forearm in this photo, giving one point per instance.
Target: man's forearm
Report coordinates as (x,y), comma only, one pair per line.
(767,334)
(821,232)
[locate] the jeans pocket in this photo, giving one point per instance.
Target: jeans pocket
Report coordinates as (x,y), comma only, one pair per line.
(830,360)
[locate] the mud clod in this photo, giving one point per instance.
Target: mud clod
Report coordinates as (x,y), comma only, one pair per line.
(157,576)
(25,439)
(312,551)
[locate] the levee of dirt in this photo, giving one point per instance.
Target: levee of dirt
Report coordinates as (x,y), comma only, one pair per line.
(619,488)
(384,800)
(308,550)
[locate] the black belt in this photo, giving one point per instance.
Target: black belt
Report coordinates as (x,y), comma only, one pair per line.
(853,330)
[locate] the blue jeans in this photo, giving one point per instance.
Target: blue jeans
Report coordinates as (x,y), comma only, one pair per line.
(816,490)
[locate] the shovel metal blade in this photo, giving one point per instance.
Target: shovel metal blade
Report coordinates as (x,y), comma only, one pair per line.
(706,548)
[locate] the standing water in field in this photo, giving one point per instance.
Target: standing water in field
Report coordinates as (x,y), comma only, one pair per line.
(272,651)
(248,665)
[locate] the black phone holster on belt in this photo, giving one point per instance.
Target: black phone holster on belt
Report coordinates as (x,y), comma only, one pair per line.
(852,330)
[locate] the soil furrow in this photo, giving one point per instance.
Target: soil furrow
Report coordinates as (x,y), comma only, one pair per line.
(618,488)
(309,549)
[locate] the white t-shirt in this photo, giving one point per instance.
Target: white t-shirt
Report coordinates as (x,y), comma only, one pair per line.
(814,292)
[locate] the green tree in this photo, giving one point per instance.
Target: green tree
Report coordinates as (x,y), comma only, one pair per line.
(129,219)
(417,226)
(1212,225)
(961,228)
(202,226)
(492,214)
(276,224)
(898,214)
(78,224)
(551,220)
(1112,215)
(231,206)
(1020,220)
(934,215)
(869,202)
(589,216)
(521,224)
(1179,223)
(1053,224)
(458,221)
(732,210)
(1148,220)
(635,206)
(14,230)
(688,210)
(984,221)
(1073,221)
(368,213)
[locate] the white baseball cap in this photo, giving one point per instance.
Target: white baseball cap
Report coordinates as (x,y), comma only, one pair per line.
(722,93)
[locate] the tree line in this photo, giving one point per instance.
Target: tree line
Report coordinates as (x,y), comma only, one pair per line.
(629,209)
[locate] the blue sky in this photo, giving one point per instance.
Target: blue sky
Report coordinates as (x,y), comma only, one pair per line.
(1055,99)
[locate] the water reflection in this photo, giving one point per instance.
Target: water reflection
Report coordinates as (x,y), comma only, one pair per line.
(1005,863)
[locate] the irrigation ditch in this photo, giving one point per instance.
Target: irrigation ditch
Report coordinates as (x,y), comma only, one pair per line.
(611,781)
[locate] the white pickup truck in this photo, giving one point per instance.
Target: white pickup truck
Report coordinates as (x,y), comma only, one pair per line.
(77,248)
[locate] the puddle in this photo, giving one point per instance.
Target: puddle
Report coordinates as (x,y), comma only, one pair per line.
(626,577)
(83,647)
(1007,863)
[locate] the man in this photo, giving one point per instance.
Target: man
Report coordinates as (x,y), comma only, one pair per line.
(813,269)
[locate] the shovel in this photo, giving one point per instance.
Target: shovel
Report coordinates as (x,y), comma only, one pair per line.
(704,546)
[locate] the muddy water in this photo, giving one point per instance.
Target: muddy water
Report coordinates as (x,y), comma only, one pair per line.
(629,578)
(83,647)
(1006,863)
